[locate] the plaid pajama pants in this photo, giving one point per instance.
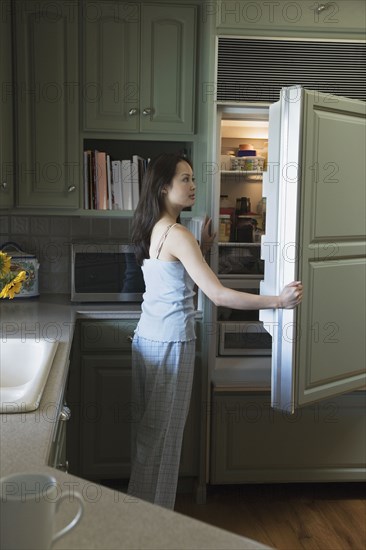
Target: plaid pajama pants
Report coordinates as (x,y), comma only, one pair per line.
(162,375)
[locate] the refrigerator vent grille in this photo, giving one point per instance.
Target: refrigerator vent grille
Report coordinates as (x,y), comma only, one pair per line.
(257,69)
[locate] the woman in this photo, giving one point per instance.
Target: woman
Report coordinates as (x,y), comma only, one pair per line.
(163,348)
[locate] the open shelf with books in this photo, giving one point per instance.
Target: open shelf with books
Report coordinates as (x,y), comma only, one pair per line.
(113,171)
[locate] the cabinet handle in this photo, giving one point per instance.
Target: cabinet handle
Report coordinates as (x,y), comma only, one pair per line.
(129,338)
(65,414)
(63,466)
(4,185)
(147,111)
(71,188)
(132,112)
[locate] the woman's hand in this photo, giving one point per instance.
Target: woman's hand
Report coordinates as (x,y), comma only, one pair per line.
(207,237)
(291,295)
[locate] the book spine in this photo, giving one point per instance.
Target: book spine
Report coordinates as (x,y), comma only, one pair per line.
(86,174)
(126,176)
(93,191)
(135,178)
(109,183)
(101,179)
(117,185)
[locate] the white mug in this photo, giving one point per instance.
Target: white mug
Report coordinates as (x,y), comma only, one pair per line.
(28,505)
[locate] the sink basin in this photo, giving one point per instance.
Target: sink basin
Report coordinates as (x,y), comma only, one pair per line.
(24,369)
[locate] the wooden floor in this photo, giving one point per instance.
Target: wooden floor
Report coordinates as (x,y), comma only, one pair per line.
(323,516)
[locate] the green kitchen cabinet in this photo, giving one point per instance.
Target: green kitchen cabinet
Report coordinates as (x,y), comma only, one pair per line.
(46,103)
(253,443)
(140,65)
(99,396)
(6,110)
(105,429)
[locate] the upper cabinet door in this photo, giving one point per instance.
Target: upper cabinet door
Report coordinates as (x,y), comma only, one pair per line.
(47,122)
(168,68)
(111,69)
(139,67)
(317,235)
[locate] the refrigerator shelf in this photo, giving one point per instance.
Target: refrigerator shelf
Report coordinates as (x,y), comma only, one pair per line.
(243,173)
(236,244)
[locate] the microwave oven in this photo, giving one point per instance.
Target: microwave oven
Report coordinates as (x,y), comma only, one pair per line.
(105,272)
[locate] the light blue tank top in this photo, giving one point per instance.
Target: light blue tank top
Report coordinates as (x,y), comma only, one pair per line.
(168,307)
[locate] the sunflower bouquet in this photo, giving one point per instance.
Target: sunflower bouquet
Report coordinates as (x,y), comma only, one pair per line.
(10,282)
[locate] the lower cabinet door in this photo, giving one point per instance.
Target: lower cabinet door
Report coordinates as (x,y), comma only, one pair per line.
(252,443)
(105,419)
(105,416)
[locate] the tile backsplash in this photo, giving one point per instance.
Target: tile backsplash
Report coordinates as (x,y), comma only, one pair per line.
(49,239)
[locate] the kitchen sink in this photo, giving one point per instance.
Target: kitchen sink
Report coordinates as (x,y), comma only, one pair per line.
(24,369)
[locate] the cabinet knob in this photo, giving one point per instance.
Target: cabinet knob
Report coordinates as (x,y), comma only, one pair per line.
(147,111)
(322,7)
(71,188)
(129,338)
(132,112)
(4,185)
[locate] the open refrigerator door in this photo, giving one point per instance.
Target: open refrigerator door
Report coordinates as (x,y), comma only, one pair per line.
(309,185)
(280,243)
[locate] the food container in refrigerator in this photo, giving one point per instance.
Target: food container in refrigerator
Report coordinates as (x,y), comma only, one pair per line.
(224,228)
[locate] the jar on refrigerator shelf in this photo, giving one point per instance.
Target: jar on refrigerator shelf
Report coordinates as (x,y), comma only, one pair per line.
(224,201)
(224,228)
(261,210)
(244,229)
(264,153)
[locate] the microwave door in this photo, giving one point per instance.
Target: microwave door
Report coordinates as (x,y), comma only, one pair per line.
(317,350)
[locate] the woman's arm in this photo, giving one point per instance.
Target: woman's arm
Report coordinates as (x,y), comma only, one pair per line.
(182,245)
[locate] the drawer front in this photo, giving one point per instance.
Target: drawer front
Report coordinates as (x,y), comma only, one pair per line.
(341,18)
(113,335)
(239,259)
(244,338)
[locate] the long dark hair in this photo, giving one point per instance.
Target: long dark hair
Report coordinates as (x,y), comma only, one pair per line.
(159,175)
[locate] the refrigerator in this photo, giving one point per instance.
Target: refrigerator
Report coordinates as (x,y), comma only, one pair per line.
(314,187)
(294,414)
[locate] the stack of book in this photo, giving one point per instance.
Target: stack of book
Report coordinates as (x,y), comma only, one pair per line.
(112,184)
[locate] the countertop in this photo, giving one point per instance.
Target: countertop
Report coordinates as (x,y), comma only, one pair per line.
(112,519)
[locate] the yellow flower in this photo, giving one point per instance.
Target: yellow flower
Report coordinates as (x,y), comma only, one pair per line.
(4,264)
(10,283)
(14,286)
